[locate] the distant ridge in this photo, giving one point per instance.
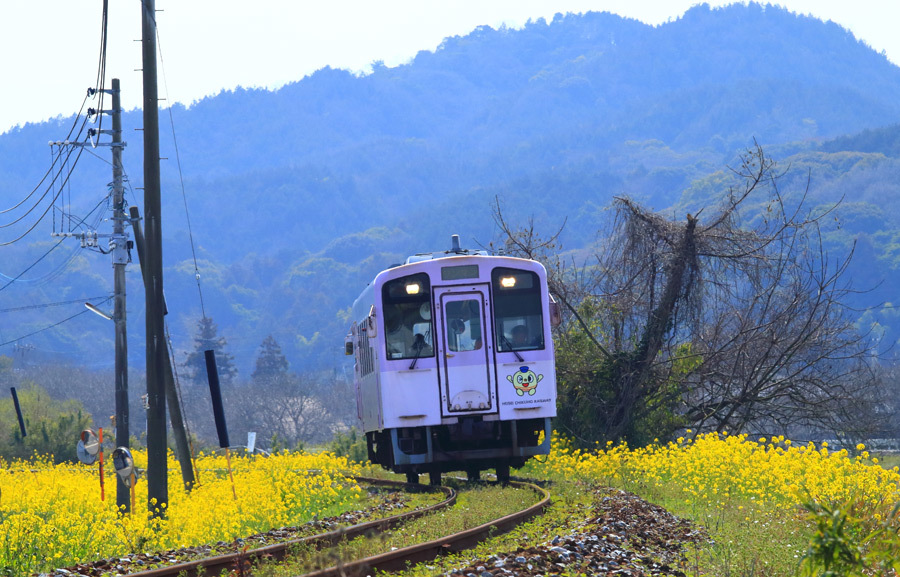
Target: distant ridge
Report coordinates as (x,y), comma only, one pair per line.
(885,140)
(299,195)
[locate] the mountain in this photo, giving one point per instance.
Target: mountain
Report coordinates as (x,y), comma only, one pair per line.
(299,196)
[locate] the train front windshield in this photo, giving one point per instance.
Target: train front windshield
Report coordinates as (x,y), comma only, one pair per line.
(407,317)
(518,316)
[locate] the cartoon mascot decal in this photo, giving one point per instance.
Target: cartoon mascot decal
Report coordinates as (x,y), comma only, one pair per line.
(525,381)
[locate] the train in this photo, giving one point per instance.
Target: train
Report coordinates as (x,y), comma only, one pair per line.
(454,364)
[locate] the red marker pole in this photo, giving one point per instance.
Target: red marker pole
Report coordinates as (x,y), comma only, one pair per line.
(230,475)
(102,486)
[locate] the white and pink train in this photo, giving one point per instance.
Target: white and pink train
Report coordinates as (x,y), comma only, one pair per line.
(454,363)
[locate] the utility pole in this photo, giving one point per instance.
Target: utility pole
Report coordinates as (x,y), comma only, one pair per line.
(121,256)
(157,481)
(175,416)
(119,245)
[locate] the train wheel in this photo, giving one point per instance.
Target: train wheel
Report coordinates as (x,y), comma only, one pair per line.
(503,473)
(412,478)
(473,474)
(434,478)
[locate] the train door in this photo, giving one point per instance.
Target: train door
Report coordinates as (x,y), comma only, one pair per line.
(465,350)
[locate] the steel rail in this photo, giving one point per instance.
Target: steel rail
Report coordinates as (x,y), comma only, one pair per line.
(402,558)
(214,565)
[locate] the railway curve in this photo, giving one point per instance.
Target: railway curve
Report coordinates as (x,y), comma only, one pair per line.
(389,561)
(401,558)
(214,565)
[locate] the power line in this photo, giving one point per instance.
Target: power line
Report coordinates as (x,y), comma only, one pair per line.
(101,65)
(63,265)
(49,188)
(36,204)
(180,175)
(52,248)
(56,304)
(54,325)
(53,163)
(64,166)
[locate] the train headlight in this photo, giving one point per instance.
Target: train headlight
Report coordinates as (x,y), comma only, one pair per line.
(413,288)
(508,281)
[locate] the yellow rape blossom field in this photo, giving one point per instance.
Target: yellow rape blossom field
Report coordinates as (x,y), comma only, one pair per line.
(715,468)
(52,515)
(753,496)
(747,493)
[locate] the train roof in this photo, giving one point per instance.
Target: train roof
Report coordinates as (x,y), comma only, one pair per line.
(455,250)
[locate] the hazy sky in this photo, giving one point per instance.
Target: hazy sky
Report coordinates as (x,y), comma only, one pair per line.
(50,48)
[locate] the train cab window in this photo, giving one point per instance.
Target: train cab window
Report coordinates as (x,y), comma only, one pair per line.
(463,325)
(518,319)
(408,329)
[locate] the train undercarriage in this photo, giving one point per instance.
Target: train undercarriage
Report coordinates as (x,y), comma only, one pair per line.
(471,445)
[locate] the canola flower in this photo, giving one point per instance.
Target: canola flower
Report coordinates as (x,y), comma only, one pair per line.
(52,516)
(718,468)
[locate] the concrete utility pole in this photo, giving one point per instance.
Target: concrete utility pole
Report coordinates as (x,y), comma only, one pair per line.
(157,351)
(119,245)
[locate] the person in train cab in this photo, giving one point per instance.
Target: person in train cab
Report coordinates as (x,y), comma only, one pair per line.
(421,347)
(421,329)
(520,337)
(400,337)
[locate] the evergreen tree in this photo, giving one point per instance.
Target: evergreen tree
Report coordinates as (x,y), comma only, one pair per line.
(271,364)
(207,339)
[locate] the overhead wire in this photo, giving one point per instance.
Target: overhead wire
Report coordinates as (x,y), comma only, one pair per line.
(162,66)
(58,270)
(101,65)
(32,265)
(53,163)
(49,188)
(56,304)
(100,80)
(40,218)
(171,348)
(54,325)
(60,163)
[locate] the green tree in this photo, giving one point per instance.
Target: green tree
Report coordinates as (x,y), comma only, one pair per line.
(271,364)
(207,339)
(52,426)
(350,444)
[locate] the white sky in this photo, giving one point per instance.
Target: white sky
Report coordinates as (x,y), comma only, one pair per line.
(49,48)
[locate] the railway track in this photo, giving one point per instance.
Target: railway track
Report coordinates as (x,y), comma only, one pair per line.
(389,561)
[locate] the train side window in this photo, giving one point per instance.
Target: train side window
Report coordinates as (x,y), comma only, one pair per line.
(518,317)
(408,330)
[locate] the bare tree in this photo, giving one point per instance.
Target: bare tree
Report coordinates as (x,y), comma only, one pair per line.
(291,408)
(707,321)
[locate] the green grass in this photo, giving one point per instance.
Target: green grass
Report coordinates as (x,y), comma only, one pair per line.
(476,505)
(745,541)
(569,504)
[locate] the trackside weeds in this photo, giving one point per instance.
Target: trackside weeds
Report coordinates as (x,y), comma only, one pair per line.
(51,516)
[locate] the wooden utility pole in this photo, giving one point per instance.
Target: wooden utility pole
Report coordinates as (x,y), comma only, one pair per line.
(157,481)
(176,419)
(119,246)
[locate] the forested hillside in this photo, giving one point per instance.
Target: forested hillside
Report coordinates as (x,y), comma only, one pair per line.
(299,196)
